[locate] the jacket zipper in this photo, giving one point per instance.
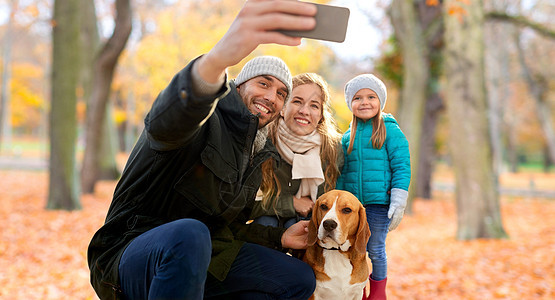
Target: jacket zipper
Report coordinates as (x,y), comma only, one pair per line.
(248,154)
(361,161)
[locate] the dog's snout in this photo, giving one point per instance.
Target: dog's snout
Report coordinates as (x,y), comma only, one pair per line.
(330,225)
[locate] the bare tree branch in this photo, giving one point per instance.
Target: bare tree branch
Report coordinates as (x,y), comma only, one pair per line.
(522,22)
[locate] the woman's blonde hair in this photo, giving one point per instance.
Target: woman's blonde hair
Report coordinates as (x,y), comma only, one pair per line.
(378,132)
(329,150)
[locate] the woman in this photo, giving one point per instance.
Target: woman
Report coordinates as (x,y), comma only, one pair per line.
(309,143)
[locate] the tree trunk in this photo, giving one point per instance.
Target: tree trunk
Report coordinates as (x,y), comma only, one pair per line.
(108,169)
(434,105)
(477,196)
(121,128)
(90,42)
(132,131)
(512,145)
(538,88)
(547,162)
(5,101)
(63,183)
(431,20)
(96,112)
(496,89)
(415,79)
(498,83)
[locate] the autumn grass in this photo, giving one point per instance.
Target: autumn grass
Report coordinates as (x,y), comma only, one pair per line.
(43,253)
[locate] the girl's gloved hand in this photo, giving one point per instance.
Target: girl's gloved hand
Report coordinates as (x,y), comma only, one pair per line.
(397,207)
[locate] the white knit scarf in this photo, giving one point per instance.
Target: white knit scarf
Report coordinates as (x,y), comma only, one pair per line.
(303,153)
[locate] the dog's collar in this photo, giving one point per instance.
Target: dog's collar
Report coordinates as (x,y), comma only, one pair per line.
(332,248)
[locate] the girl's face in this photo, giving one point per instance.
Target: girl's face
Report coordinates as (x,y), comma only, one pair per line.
(303,112)
(365,104)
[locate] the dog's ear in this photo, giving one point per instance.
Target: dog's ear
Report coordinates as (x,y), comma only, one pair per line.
(363,231)
(313,225)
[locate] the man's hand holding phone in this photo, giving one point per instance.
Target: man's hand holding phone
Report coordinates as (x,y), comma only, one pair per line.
(257,23)
(282,22)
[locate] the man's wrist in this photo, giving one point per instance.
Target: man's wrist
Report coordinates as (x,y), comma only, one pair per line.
(202,87)
(209,69)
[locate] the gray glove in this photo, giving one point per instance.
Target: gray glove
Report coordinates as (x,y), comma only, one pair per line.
(397,207)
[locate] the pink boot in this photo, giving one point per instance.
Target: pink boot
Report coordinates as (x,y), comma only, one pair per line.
(377,289)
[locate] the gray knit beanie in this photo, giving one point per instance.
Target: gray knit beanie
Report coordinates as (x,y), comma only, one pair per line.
(266,65)
(365,81)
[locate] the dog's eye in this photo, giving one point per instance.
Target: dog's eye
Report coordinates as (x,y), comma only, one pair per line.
(323,207)
(346,210)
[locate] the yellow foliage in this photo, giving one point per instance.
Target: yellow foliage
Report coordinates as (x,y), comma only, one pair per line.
(182,34)
(119,116)
(342,114)
(22,95)
(27,103)
(27,71)
(26,106)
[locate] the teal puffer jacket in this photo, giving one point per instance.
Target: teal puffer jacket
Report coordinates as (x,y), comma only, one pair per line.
(370,173)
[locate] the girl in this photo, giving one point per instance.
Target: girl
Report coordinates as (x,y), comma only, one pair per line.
(376,169)
(309,143)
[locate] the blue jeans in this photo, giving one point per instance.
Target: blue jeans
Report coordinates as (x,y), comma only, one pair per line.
(171,262)
(378,222)
(274,221)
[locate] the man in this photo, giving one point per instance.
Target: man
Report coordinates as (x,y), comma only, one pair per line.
(176,228)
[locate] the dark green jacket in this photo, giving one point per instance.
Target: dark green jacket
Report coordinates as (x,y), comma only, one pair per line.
(283,207)
(193,160)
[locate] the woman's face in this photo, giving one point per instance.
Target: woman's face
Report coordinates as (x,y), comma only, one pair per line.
(304,110)
(365,104)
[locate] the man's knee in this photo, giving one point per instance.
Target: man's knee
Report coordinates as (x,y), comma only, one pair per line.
(189,231)
(305,280)
(189,239)
(309,278)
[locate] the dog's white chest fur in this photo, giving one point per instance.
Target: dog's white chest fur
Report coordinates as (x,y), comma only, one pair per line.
(338,268)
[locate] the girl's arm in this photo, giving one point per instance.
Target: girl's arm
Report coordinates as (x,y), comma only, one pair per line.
(399,158)
(399,161)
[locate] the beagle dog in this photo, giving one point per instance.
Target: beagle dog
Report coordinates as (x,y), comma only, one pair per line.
(337,237)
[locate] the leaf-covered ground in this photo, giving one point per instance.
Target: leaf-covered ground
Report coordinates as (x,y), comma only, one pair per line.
(43,253)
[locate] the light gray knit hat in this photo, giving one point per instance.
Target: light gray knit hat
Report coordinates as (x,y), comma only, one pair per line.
(266,65)
(365,81)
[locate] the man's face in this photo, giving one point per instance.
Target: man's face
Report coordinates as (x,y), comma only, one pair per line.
(264,96)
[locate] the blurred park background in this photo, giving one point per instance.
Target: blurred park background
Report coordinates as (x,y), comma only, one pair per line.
(472,84)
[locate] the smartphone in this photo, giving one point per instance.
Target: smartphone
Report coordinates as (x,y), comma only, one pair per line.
(331,24)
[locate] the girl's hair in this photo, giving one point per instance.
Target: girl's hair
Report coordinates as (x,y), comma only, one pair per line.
(378,132)
(330,137)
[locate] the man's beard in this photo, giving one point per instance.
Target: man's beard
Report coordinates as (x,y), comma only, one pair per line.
(260,139)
